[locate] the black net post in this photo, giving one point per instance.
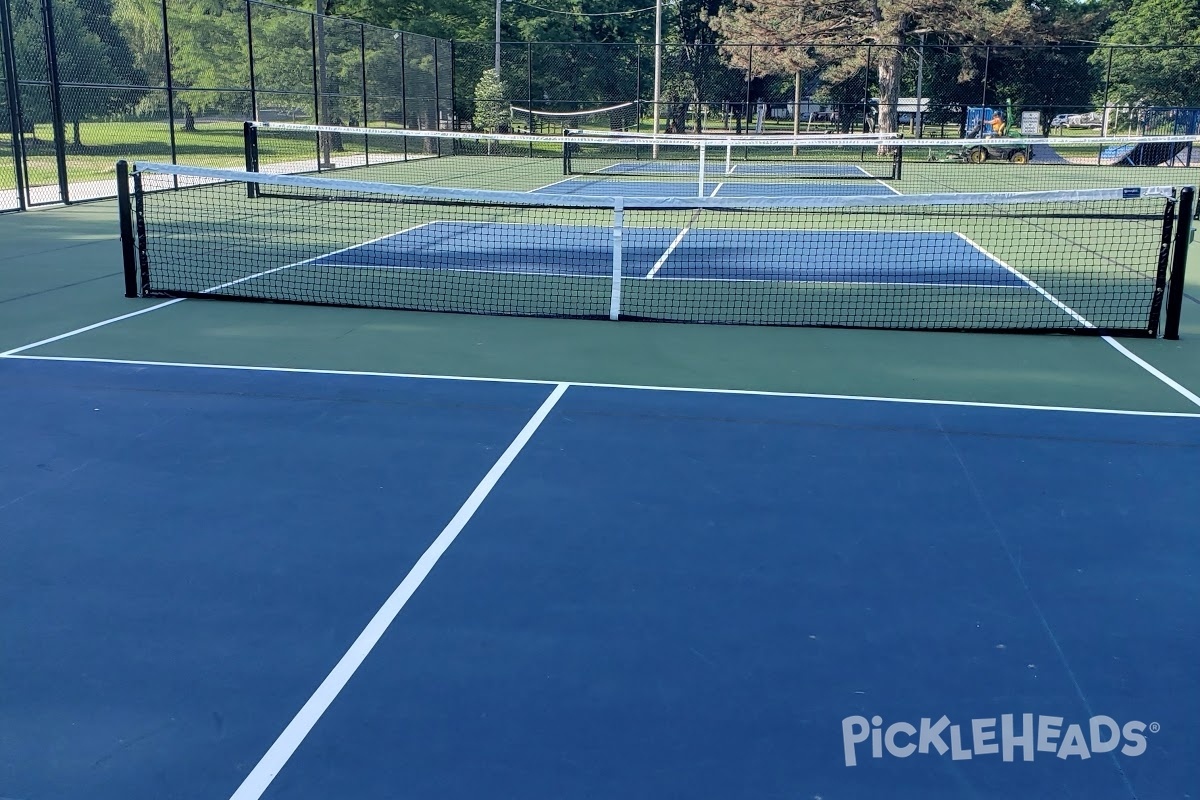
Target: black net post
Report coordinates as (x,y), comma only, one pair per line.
(139,226)
(250,143)
(128,247)
(1183,236)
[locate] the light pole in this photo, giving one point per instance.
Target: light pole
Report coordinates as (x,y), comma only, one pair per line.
(657,67)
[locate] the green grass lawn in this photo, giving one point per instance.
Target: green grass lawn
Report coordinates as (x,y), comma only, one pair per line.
(102,144)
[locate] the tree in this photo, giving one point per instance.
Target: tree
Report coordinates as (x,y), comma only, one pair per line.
(91,55)
(888,24)
(208,50)
(1154,76)
(491,103)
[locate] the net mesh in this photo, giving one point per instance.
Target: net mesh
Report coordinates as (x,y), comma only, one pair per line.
(1085,261)
(767,164)
(619,118)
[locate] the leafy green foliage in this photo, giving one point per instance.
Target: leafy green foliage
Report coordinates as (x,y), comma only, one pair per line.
(1155,76)
(491,103)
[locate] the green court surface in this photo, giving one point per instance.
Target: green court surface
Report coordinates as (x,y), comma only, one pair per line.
(60,270)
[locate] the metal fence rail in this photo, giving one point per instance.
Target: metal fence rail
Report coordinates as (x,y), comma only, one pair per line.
(88,82)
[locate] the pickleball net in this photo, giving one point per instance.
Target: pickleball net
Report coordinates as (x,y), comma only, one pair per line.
(766,164)
(1093,261)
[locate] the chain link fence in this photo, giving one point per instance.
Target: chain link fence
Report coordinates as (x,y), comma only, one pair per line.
(740,88)
(88,82)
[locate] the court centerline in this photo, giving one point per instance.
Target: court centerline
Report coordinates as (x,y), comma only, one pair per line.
(281,751)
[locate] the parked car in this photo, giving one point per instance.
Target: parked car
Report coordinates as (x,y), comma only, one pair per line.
(1092,119)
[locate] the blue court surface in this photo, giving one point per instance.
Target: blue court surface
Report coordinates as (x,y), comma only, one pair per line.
(717,167)
(317,586)
(713,187)
(720,254)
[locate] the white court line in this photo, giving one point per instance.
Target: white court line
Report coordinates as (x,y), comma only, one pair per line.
(674,244)
(667,254)
(209,290)
(277,756)
(91,327)
(1120,348)
(592,385)
(890,188)
(314,258)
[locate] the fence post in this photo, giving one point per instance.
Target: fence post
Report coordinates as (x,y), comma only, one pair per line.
(918,119)
(1107,83)
(867,93)
(60,138)
(987,62)
(637,95)
(170,81)
(362,64)
(529,89)
(437,101)
(14,100)
(250,63)
(749,78)
(403,92)
(454,121)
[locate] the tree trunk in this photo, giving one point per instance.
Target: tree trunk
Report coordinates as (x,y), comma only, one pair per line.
(889,88)
(75,140)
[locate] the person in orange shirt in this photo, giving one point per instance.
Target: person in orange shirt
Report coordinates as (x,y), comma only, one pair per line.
(998,125)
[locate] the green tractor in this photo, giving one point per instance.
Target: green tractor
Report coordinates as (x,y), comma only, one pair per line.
(980,126)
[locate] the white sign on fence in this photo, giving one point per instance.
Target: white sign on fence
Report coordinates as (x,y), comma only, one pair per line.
(1031,123)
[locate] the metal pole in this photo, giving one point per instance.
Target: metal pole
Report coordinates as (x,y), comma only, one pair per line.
(453,87)
(867,94)
(749,77)
(250,64)
(497,39)
(170,80)
(657,69)
(796,108)
(987,62)
(362,65)
(1107,81)
(437,97)
(637,94)
(14,103)
(920,83)
(529,89)
(60,136)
